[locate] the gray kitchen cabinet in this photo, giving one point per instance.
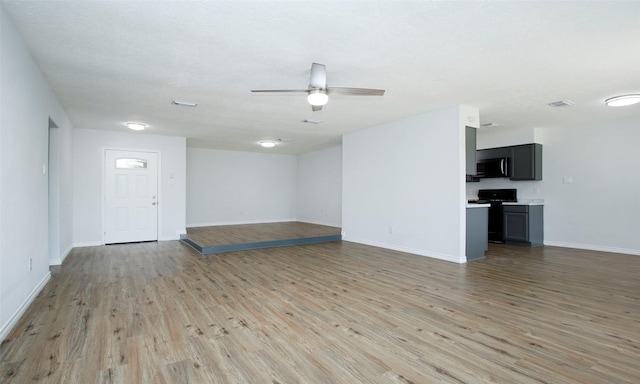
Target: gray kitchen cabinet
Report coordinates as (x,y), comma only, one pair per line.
(526,162)
(470,146)
(477,232)
(523,225)
(493,153)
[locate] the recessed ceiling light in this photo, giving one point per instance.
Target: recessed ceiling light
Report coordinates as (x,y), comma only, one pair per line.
(624,100)
(184,103)
(561,103)
(136,126)
(268,143)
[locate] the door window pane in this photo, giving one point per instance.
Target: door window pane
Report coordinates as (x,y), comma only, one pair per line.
(128,163)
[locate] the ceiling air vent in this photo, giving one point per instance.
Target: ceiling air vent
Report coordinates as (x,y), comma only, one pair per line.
(184,103)
(490,125)
(309,121)
(561,103)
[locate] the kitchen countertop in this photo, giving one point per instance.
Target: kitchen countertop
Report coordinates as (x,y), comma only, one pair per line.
(473,205)
(526,202)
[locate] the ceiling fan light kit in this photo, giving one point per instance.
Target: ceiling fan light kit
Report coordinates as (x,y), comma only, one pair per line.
(318,91)
(317,97)
(623,100)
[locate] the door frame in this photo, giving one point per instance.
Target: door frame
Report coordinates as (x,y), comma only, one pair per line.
(103,225)
(53,192)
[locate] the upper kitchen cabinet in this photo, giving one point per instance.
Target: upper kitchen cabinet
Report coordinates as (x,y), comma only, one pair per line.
(526,162)
(493,153)
(470,140)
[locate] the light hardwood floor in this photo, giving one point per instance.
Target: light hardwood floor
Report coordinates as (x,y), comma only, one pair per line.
(330,313)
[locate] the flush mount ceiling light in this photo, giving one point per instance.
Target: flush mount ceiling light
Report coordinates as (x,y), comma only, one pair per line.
(317,97)
(136,126)
(268,143)
(624,100)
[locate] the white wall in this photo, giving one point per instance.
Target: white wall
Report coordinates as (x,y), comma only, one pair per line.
(600,209)
(228,187)
(88,150)
(27,104)
(403,184)
(504,137)
(320,187)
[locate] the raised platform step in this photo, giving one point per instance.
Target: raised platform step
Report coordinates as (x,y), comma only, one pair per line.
(229,238)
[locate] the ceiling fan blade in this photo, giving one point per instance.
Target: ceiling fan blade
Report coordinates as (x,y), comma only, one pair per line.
(280,90)
(318,76)
(315,108)
(355,91)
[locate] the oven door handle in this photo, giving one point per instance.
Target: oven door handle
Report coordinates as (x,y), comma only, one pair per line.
(502,166)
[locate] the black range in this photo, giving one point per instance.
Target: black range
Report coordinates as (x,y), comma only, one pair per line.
(495,197)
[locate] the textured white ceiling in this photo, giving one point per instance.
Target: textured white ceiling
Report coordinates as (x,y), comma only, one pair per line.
(115,61)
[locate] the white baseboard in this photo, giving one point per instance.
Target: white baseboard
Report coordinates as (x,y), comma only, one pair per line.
(60,259)
(13,320)
(169,238)
(591,247)
(440,256)
(87,244)
(328,224)
(214,224)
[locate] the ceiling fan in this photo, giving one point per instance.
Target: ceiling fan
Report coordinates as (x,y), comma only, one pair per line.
(318,92)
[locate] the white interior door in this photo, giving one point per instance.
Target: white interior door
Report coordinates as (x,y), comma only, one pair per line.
(131,196)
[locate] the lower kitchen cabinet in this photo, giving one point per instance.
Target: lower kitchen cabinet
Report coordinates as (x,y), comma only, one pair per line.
(477,231)
(523,225)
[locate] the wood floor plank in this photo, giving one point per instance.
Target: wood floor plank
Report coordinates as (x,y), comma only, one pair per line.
(333,313)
